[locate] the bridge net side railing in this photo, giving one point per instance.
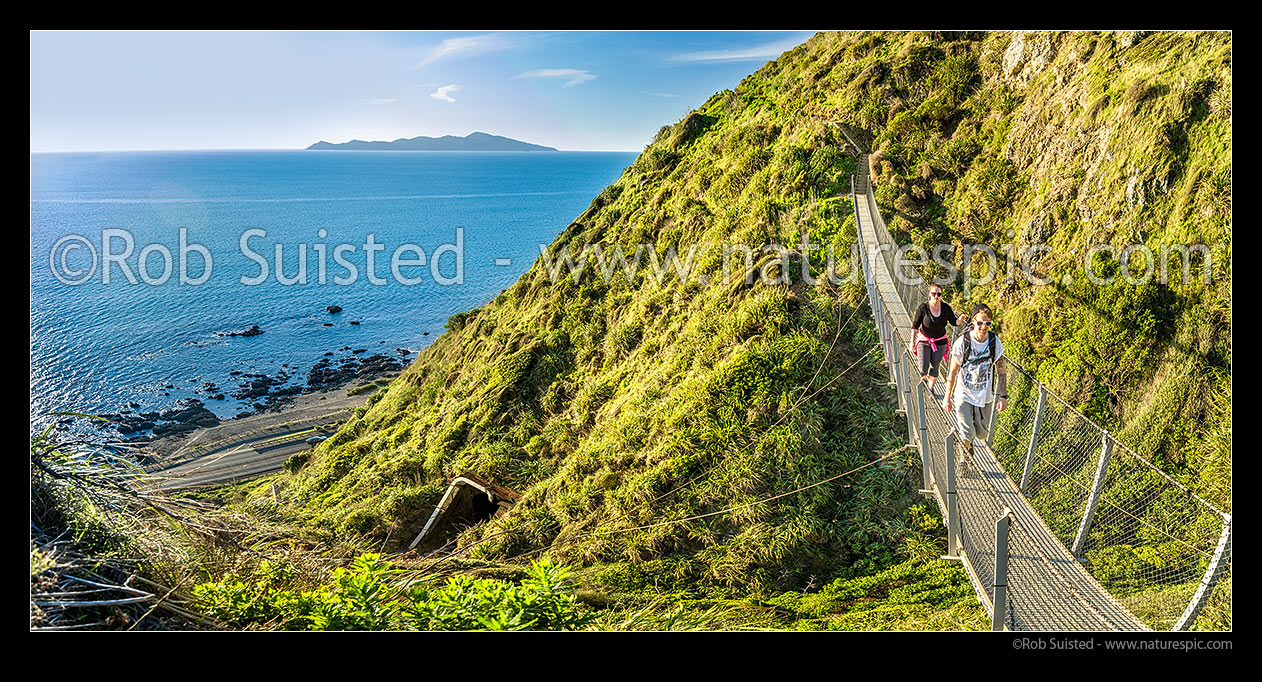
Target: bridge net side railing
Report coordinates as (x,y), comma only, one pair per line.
(1045,588)
(1155,546)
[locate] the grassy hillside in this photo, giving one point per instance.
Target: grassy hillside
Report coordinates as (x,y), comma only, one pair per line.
(623,408)
(598,399)
(1074,141)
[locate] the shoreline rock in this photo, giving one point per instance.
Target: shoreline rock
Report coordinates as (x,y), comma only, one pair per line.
(257,393)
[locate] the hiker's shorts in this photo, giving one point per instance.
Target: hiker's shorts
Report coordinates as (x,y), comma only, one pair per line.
(973,421)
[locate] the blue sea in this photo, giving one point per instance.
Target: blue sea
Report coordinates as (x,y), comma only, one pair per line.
(154,340)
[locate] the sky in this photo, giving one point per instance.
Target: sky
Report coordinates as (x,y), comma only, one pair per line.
(573,90)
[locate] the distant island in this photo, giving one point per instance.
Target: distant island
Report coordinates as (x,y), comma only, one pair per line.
(473,142)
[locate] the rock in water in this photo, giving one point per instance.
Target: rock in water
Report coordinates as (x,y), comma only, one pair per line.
(252,331)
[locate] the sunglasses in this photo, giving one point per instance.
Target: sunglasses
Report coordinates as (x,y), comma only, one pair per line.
(935,294)
(983,323)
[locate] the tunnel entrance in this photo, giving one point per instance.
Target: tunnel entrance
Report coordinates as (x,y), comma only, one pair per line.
(468,501)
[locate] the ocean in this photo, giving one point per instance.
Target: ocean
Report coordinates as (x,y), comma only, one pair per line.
(459,226)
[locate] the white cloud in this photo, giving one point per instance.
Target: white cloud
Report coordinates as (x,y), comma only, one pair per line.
(573,76)
(752,53)
(378,100)
(467,46)
(659,94)
(442,93)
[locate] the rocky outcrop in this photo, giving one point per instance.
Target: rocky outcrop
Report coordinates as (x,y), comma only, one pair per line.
(252,331)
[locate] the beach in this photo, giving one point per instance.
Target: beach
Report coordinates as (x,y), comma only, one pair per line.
(310,410)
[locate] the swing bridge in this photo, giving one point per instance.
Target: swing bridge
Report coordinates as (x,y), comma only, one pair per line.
(1059,525)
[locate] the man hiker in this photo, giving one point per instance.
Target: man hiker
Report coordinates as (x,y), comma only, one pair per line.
(974,360)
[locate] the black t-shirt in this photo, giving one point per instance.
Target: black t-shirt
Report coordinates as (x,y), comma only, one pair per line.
(931,326)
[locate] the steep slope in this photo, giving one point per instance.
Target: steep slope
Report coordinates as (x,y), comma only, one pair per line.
(618,404)
(1069,149)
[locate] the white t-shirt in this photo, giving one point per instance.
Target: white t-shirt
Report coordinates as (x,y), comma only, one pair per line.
(973,384)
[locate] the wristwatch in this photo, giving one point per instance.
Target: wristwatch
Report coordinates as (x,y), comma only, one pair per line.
(1003,395)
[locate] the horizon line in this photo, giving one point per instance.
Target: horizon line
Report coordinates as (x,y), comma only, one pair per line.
(306,149)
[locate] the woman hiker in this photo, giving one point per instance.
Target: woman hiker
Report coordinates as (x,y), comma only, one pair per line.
(929,340)
(974,360)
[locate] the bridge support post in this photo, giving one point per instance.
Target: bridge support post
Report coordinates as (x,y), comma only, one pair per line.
(896,369)
(873,301)
(953,516)
(904,371)
(865,260)
(992,408)
(1080,541)
(1034,438)
(872,297)
(866,264)
(924,438)
(1221,553)
(1000,600)
(878,311)
(909,375)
